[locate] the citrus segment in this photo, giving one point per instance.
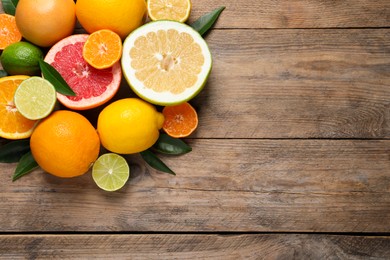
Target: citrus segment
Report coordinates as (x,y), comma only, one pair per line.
(180,120)
(44,22)
(93,87)
(102,49)
(9,32)
(65,144)
(35,98)
(110,172)
(176,10)
(129,125)
(12,124)
(166,62)
(119,16)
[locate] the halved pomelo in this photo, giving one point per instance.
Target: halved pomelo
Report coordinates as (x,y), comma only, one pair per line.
(166,62)
(93,87)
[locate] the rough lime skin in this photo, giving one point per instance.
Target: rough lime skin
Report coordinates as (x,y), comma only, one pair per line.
(21,58)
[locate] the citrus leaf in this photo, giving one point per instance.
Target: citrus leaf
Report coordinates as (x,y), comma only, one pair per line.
(155,162)
(13,151)
(55,78)
(26,165)
(9,6)
(3,73)
(169,145)
(205,22)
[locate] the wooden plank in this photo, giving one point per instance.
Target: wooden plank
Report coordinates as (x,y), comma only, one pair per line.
(222,185)
(297,84)
(296,13)
(166,246)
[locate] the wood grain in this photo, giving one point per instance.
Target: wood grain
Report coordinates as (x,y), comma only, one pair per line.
(297,84)
(222,185)
(296,13)
(156,246)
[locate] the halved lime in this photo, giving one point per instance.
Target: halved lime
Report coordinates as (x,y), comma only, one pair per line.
(110,172)
(166,62)
(35,98)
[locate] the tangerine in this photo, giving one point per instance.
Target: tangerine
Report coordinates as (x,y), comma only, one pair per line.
(45,22)
(9,32)
(65,144)
(180,120)
(102,49)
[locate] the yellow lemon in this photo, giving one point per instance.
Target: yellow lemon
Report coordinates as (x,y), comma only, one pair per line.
(129,125)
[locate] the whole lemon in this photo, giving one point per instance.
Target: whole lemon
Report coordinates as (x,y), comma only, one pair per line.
(44,22)
(129,125)
(65,144)
(119,16)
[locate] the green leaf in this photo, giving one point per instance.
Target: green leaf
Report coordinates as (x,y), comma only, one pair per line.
(9,6)
(55,78)
(155,162)
(3,73)
(169,145)
(13,151)
(26,165)
(205,22)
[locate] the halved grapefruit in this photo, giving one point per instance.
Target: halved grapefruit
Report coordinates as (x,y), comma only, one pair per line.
(166,62)
(93,87)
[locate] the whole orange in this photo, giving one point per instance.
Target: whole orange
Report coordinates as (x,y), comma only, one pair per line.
(119,16)
(44,22)
(65,144)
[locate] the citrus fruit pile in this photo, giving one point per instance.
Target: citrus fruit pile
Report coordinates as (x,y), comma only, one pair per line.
(52,74)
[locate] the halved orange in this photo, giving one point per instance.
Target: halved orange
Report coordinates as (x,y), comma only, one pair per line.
(102,49)
(180,120)
(12,124)
(9,32)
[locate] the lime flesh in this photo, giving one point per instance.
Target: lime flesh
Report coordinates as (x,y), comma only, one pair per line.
(35,98)
(110,172)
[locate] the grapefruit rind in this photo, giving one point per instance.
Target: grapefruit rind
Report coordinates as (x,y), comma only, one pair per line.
(164,98)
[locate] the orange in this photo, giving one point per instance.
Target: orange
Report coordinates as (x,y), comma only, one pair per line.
(12,124)
(65,144)
(119,16)
(180,120)
(44,22)
(102,49)
(9,32)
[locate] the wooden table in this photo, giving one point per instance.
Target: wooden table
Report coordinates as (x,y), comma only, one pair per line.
(291,159)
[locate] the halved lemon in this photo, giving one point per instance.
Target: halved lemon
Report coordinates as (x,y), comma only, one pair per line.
(176,10)
(166,62)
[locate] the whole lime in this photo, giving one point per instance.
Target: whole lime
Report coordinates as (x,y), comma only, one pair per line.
(129,125)
(21,58)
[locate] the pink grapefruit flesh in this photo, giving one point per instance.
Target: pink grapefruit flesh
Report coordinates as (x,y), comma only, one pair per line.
(93,87)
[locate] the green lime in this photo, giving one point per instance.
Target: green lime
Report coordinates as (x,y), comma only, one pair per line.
(110,172)
(35,98)
(21,58)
